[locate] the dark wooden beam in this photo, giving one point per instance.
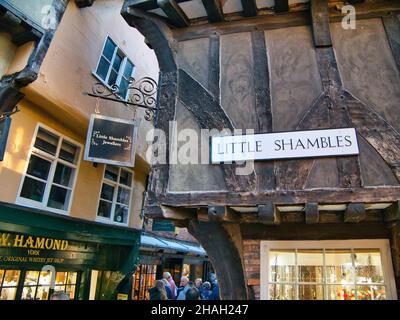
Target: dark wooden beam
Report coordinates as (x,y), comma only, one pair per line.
(264,169)
(249,8)
(278,21)
(174,13)
(146,4)
(392,213)
(268,214)
(320,23)
(355,212)
(392,28)
(287,197)
(210,115)
(291,19)
(84,3)
(295,231)
(339,117)
(214,10)
(225,257)
(311,212)
(222,213)
(376,130)
(281,6)
(214,68)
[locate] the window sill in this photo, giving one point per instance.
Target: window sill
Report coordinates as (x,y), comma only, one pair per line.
(109,222)
(31,204)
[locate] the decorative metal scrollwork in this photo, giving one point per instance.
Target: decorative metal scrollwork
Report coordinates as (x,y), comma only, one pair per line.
(141,93)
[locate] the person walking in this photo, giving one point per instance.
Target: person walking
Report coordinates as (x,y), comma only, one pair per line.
(167,288)
(183,288)
(192,294)
(215,287)
(199,285)
(206,293)
(168,277)
(158,291)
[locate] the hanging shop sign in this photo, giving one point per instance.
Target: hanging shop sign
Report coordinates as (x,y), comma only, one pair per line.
(5,124)
(285,145)
(111,140)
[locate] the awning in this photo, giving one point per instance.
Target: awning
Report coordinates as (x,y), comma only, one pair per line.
(153,241)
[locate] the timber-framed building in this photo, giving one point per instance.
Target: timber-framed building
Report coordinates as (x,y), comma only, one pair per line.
(315,228)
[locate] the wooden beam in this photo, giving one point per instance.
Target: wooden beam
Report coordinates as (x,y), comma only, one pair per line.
(278,21)
(311,212)
(264,169)
(225,257)
(222,213)
(287,197)
(375,129)
(348,167)
(84,3)
(249,8)
(281,6)
(392,213)
(295,231)
(354,213)
(214,10)
(146,4)
(320,23)
(269,214)
(174,13)
(210,115)
(392,28)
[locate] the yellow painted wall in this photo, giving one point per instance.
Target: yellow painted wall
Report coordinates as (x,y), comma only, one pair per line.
(66,71)
(56,99)
(87,189)
(7,52)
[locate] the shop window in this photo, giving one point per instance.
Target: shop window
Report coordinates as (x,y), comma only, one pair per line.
(115,195)
(8,284)
(51,171)
(114,67)
(327,270)
(37,284)
(144,279)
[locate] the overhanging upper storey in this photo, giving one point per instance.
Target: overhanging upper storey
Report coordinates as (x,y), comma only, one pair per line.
(310,67)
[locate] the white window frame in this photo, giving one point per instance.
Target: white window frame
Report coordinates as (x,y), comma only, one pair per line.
(121,68)
(381,244)
(54,160)
(114,202)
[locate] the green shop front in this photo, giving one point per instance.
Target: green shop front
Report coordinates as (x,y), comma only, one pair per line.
(41,252)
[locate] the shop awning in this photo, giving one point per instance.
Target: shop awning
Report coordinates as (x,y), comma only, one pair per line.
(153,241)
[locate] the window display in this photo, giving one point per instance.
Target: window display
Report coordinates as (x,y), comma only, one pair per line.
(8,284)
(144,279)
(37,284)
(326,273)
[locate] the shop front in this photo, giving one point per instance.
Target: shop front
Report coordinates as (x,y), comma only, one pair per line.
(41,253)
(158,255)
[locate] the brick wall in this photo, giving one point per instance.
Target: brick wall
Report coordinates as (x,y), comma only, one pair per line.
(251,256)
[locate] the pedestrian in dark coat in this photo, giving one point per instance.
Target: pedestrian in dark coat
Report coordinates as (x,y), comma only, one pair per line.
(206,293)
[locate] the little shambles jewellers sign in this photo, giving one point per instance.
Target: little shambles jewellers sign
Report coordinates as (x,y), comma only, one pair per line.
(285,145)
(110,140)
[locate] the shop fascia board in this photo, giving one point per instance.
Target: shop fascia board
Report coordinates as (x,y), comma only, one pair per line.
(35,222)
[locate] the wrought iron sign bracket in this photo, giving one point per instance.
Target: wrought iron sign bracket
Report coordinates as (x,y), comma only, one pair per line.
(141,94)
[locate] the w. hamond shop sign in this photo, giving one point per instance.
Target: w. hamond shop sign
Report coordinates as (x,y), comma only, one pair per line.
(285,145)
